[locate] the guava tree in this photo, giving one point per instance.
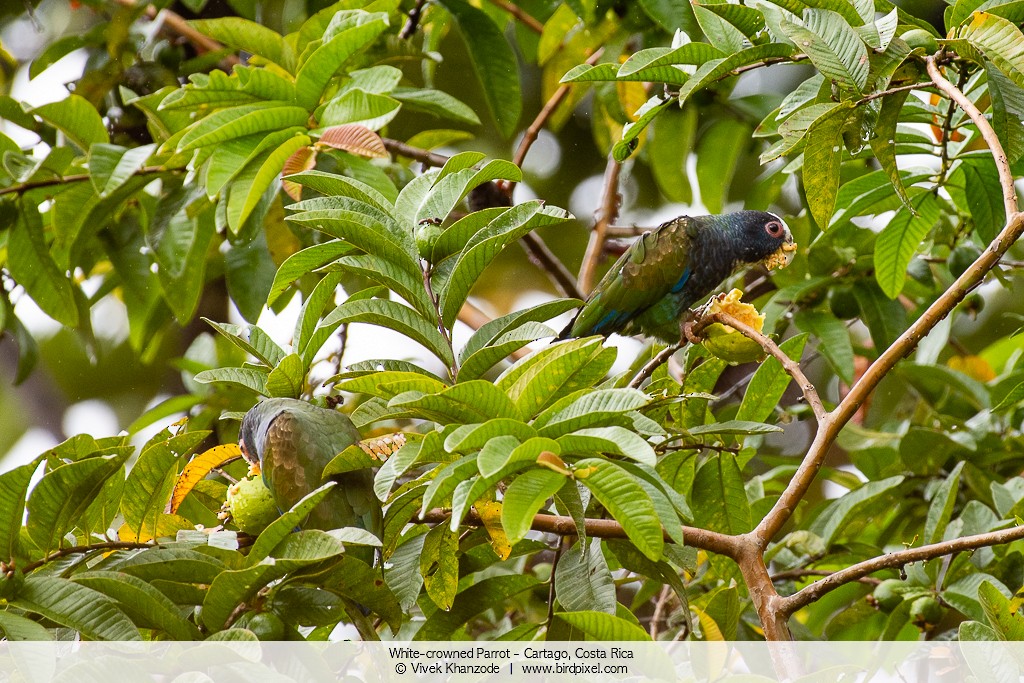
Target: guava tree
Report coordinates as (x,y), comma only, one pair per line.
(316,153)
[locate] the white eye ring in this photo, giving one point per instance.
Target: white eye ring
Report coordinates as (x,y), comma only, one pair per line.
(774,228)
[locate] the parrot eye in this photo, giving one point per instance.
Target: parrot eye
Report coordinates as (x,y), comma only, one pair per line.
(774,228)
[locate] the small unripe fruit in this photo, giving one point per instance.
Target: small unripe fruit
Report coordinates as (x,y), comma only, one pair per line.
(889,594)
(961,258)
(843,304)
(251,505)
(731,346)
(426,235)
(925,611)
(264,625)
(920,38)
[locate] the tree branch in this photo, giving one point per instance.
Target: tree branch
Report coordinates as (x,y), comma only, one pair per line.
(802,598)
(832,424)
(106,545)
(711,541)
(607,213)
(545,259)
(660,359)
(521,16)
(791,367)
(409,152)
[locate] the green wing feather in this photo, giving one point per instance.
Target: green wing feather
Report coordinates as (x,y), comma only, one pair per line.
(654,265)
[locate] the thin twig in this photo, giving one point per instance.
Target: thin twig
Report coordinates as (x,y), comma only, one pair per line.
(703,539)
(607,213)
(792,603)
(660,359)
(531,133)
(76,178)
(791,367)
(893,91)
(414,20)
(416,153)
(551,580)
(792,574)
(106,545)
(829,428)
(520,15)
(545,259)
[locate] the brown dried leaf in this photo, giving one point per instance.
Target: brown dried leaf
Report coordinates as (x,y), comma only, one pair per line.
(355,139)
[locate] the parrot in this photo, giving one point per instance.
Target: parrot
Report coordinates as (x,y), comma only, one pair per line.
(676,265)
(292,441)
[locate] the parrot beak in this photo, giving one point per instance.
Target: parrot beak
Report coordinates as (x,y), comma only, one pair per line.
(782,256)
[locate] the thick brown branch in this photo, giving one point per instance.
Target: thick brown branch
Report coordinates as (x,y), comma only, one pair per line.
(791,367)
(711,541)
(802,598)
(607,213)
(829,428)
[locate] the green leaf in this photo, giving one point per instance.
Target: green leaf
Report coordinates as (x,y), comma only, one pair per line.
(249,36)
(886,318)
(285,525)
(717,69)
(63,495)
(744,427)
(602,626)
(719,500)
(974,187)
(823,157)
(493,61)
(268,353)
(1001,41)
(472,437)
(483,247)
(75,117)
(883,143)
(627,502)
(583,581)
(674,134)
(769,383)
(248,378)
(1007,112)
(612,440)
(382,382)
(546,375)
(473,401)
(437,103)
(319,67)
(1010,401)
(490,332)
(591,408)
(451,187)
(149,484)
(631,131)
(833,340)
(900,240)
(833,47)
(395,316)
(288,378)
(91,613)
(236,122)
(836,516)
(32,266)
(660,63)
(718,154)
(489,593)
(439,566)
(110,166)
(17,628)
(940,511)
(447,479)
(524,497)
(359,224)
(718,31)
(13,488)
(484,359)
(1002,616)
(358,107)
(334,185)
(258,176)
(232,587)
(143,603)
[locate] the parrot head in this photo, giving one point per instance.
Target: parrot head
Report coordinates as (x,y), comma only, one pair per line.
(765,238)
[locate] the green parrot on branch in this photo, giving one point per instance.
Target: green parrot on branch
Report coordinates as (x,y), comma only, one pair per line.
(676,265)
(292,441)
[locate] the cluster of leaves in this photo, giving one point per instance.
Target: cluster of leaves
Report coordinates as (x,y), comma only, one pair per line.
(492,442)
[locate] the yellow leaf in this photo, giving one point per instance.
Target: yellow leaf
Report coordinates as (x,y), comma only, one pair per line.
(197,469)
(490,515)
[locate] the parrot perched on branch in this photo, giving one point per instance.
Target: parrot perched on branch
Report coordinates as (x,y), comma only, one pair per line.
(292,441)
(676,265)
